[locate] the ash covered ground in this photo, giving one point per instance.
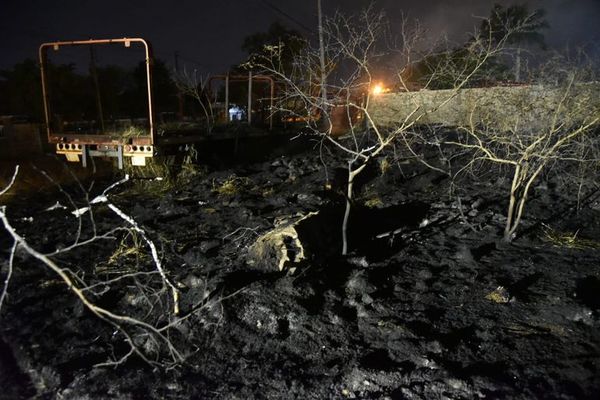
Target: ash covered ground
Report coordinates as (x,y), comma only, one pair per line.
(430,304)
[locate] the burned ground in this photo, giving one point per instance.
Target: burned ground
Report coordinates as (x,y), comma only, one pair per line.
(430,304)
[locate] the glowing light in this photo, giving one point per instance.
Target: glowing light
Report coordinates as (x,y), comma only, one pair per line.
(379,89)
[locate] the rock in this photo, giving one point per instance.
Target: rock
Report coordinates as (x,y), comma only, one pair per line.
(208,245)
(477,204)
(278,246)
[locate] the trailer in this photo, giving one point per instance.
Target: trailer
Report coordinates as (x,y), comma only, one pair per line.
(134,139)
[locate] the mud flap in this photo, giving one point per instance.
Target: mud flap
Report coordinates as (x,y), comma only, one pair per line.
(139,161)
(71,157)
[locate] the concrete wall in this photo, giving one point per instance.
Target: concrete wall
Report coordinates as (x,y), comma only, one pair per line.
(503,108)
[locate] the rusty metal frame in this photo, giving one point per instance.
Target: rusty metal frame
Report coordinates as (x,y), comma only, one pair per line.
(242,78)
(96,139)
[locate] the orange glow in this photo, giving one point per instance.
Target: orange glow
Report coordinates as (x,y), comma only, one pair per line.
(379,89)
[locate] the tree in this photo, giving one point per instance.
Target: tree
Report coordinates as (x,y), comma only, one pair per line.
(353,47)
(164,89)
(441,70)
(518,25)
(70,93)
(20,90)
(194,85)
(288,41)
(531,129)
(141,328)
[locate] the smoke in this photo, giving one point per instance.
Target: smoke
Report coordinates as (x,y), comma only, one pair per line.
(572,23)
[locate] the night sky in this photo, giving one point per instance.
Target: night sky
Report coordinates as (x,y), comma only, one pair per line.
(208,34)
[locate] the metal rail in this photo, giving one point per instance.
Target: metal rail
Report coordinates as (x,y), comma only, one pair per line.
(250,78)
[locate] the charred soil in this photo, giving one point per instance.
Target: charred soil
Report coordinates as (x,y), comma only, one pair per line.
(430,304)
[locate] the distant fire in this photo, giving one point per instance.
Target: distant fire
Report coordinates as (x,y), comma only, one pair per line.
(378,89)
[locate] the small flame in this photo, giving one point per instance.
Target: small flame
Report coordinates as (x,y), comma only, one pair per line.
(378,89)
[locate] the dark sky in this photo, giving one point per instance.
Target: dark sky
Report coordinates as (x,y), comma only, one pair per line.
(208,33)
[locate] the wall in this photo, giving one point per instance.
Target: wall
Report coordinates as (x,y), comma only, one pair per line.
(514,108)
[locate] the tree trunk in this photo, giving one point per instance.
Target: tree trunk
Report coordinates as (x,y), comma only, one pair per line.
(349,193)
(518,65)
(511,204)
(349,190)
(515,208)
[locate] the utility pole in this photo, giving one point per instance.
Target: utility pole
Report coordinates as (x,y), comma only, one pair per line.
(94,75)
(179,94)
(322,61)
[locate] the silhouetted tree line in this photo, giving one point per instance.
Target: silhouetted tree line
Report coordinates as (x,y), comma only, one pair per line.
(123,91)
(20,90)
(72,93)
(441,70)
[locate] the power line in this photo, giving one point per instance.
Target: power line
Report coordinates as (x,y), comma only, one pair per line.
(286,15)
(167,56)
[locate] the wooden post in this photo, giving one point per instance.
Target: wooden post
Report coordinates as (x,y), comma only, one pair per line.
(227,97)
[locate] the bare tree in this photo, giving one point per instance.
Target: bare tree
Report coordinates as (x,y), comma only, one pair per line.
(354,47)
(532,128)
(150,318)
(195,86)
(524,27)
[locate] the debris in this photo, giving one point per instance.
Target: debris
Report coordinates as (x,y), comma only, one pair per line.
(56,206)
(80,211)
(279,246)
(359,261)
(499,295)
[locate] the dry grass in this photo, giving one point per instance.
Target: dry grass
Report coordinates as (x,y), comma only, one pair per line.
(374,202)
(384,166)
(231,186)
(131,247)
(499,295)
(133,132)
(268,192)
(370,197)
(569,240)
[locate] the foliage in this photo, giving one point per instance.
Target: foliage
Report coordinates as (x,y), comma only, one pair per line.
(192,85)
(571,240)
(444,69)
(230,186)
(123,91)
(519,27)
(20,90)
(517,22)
(506,26)
(158,176)
(288,41)
(163,87)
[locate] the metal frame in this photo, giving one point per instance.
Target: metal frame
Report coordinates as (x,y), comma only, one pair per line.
(242,78)
(73,145)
